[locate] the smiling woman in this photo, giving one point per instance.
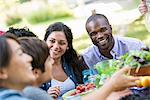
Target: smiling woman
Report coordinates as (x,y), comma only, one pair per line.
(12,58)
(66,69)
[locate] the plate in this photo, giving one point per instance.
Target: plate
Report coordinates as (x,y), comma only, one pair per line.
(67,95)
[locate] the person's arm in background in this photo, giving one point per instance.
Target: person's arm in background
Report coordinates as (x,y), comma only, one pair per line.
(119,81)
(143,7)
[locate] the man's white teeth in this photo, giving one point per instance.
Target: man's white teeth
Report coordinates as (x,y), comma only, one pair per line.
(103,41)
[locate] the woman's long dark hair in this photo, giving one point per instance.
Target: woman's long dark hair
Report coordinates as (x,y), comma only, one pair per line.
(70,55)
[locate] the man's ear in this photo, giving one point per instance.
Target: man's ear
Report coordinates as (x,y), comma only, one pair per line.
(36,72)
(110,27)
(3,73)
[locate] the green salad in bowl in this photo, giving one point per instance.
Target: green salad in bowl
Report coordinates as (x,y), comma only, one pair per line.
(139,61)
(135,59)
(106,68)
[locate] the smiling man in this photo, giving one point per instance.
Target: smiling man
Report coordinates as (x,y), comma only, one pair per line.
(105,45)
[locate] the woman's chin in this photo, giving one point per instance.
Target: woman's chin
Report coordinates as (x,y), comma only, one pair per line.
(55,57)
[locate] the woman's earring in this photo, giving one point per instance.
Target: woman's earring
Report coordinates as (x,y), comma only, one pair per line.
(67,48)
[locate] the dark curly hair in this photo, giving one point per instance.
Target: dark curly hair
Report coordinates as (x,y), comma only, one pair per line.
(70,55)
(21,32)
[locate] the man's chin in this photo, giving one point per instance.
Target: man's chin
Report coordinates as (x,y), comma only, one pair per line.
(103,47)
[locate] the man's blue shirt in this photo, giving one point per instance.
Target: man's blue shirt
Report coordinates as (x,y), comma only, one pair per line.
(122,45)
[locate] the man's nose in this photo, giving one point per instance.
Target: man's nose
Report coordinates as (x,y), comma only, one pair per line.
(100,35)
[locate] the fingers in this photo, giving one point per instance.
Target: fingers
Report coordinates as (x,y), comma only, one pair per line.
(143,10)
(125,92)
(133,78)
(124,70)
(119,75)
(54,95)
(143,7)
(123,81)
(132,84)
(54,91)
(132,81)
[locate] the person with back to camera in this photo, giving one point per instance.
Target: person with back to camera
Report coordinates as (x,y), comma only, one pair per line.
(105,45)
